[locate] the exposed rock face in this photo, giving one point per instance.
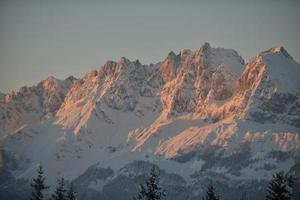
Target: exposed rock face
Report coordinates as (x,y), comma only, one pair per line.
(32,104)
(208,74)
(272,83)
(199,114)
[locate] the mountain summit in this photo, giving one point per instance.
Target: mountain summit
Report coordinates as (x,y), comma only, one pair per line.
(196,114)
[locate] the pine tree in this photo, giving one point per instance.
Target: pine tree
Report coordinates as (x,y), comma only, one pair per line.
(38,185)
(244,196)
(280,187)
(60,191)
(71,195)
(210,193)
(142,194)
(151,190)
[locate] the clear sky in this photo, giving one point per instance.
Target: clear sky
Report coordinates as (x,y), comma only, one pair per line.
(62,38)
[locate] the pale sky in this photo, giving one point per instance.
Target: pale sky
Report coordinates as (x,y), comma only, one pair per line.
(63,37)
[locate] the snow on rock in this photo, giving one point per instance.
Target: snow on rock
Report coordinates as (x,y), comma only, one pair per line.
(270,88)
(31,104)
(201,110)
(117,85)
(208,74)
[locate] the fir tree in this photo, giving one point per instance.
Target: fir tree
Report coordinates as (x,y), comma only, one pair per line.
(38,185)
(151,190)
(280,187)
(244,196)
(71,195)
(142,194)
(210,193)
(60,191)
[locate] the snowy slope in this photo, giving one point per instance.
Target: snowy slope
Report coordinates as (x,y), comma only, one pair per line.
(32,104)
(194,113)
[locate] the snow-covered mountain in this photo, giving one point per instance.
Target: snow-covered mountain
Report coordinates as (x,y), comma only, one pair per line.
(198,115)
(31,104)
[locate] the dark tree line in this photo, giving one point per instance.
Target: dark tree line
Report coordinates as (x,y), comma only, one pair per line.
(279,188)
(60,193)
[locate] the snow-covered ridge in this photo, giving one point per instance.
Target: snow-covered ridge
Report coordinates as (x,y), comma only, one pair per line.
(192,110)
(32,104)
(202,81)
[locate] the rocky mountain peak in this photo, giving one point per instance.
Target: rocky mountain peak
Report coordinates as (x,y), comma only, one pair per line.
(31,104)
(277,50)
(185,54)
(123,61)
(187,82)
(270,85)
(171,55)
(71,78)
(49,78)
(137,62)
(199,113)
(205,47)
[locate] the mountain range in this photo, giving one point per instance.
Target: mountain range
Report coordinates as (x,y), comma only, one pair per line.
(200,116)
